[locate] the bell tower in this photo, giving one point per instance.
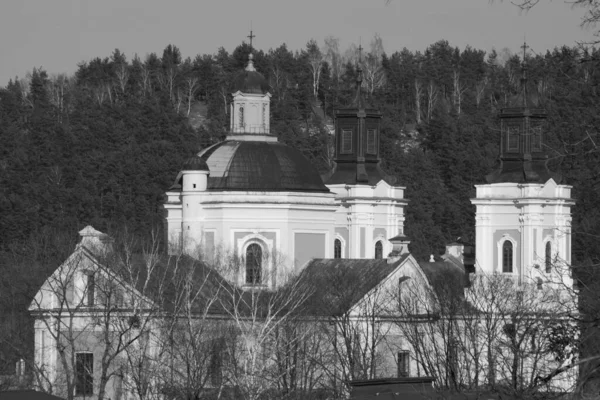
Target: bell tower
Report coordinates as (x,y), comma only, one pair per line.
(370,208)
(523,212)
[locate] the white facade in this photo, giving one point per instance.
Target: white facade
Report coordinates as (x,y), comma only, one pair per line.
(534,220)
(284,224)
(367,215)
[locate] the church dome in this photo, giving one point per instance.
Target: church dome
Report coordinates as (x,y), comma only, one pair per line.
(260,166)
(250,81)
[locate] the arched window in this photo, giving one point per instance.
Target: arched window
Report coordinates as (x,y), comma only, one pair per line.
(253,264)
(507,256)
(548,257)
(241,118)
(337,248)
(378,250)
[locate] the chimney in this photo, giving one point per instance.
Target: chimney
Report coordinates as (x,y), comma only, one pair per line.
(399,248)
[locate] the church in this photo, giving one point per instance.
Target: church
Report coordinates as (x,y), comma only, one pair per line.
(264,203)
(255,196)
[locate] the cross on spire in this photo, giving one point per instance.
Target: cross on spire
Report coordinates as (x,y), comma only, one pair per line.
(251,36)
(360,49)
(524,47)
(524,75)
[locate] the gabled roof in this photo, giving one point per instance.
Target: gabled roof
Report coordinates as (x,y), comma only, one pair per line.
(337,285)
(163,282)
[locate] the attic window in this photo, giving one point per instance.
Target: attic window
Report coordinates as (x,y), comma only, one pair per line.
(346,145)
(90,288)
(371,141)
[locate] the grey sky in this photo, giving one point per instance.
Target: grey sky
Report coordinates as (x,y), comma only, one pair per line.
(58,34)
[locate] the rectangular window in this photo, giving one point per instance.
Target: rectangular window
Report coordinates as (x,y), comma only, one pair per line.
(346,145)
(84,374)
(371,141)
(403,364)
(512,133)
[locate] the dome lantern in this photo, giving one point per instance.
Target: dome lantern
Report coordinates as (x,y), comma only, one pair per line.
(250,108)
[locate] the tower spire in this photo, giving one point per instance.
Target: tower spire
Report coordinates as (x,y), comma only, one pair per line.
(359,101)
(251,36)
(524,75)
(250,66)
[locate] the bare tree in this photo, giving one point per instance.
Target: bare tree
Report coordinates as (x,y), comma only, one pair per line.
(493,325)
(315,63)
(432,99)
(257,316)
(418,96)
(373,70)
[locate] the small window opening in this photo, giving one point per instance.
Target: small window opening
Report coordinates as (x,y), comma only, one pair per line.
(548,257)
(378,250)
(507,257)
(337,248)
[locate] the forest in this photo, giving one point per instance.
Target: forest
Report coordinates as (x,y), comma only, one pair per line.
(102,146)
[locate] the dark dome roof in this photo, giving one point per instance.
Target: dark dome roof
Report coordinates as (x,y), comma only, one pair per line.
(261,166)
(250,81)
(195,163)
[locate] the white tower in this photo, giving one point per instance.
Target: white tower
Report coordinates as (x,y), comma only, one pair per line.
(523,214)
(250,105)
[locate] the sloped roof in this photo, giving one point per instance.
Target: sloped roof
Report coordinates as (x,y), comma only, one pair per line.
(161,278)
(336,285)
(448,282)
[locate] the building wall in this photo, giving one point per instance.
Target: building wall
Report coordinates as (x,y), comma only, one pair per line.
(529,215)
(280,222)
(367,214)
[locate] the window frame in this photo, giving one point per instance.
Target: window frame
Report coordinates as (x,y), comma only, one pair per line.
(512,131)
(403,364)
(346,136)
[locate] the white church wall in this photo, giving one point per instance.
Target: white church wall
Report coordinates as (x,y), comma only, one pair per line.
(529,215)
